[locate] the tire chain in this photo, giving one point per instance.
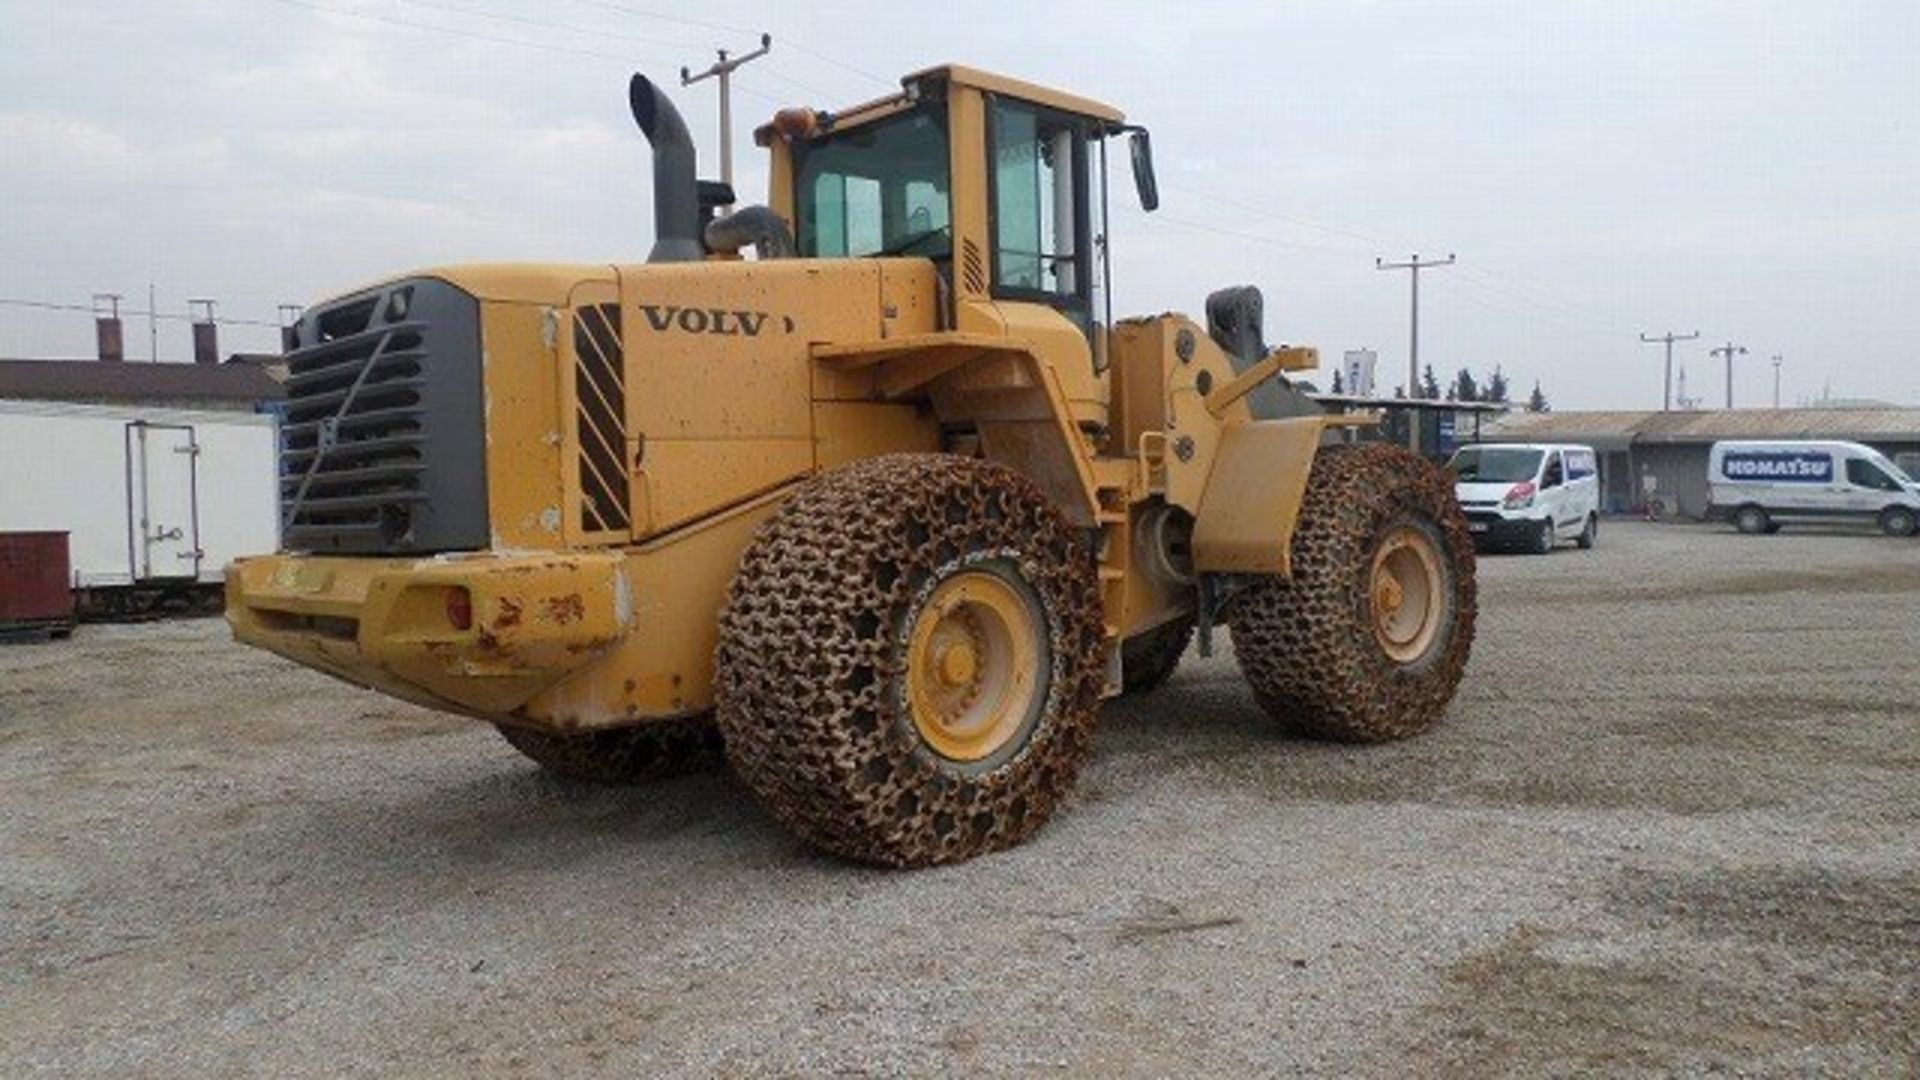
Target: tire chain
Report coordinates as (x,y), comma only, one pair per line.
(1306,643)
(653,751)
(811,664)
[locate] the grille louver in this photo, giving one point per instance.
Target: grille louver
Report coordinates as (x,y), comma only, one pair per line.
(601,424)
(381,443)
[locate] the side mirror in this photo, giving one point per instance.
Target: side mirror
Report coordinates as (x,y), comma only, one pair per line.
(1140,148)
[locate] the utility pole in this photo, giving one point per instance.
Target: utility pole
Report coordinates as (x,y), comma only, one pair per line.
(1776,379)
(723,69)
(1729,350)
(1666,387)
(1413,266)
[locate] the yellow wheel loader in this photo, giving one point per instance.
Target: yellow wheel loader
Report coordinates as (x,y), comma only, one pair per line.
(883,512)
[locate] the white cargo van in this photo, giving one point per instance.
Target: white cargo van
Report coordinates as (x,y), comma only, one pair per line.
(1760,485)
(1530,495)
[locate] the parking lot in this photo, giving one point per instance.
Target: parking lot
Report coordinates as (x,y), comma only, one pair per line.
(1668,825)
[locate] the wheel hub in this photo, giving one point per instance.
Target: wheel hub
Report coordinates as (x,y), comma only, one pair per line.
(1408,594)
(972,666)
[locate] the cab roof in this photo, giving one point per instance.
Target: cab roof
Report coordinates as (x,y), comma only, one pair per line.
(962,75)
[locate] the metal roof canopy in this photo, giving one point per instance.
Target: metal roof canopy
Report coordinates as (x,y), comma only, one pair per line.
(1620,428)
(129,381)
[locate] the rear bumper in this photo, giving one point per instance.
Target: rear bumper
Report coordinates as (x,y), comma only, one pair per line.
(385,623)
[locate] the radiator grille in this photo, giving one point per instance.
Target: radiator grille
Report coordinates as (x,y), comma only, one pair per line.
(379,386)
(601,423)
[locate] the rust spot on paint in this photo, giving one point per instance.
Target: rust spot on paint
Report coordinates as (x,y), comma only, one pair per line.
(509,614)
(566,609)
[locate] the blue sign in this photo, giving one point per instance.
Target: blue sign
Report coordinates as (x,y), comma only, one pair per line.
(1777,466)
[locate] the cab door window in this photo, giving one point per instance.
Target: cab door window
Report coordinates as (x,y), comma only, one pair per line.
(1552,476)
(1864,473)
(1040,222)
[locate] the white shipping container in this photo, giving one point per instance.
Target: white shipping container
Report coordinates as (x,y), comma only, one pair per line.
(150,496)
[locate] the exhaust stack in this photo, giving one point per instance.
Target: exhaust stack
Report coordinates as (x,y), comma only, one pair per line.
(676,197)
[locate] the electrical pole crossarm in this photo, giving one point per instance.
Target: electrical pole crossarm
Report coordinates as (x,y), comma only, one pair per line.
(1413,266)
(1729,350)
(1668,338)
(723,69)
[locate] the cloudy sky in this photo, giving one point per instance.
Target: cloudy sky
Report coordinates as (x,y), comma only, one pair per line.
(1602,168)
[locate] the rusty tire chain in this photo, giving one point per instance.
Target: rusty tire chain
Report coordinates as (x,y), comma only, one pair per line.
(1148,660)
(1306,643)
(653,751)
(811,665)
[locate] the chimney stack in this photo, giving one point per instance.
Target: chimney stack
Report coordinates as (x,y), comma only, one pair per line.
(206,333)
(106,326)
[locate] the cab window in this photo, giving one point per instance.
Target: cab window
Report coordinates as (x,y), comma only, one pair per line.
(1864,473)
(1038,167)
(1553,477)
(876,189)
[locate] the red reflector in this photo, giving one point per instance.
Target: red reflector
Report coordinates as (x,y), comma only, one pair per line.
(459,609)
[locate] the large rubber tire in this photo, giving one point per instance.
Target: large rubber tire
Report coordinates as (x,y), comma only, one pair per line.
(1148,660)
(1308,644)
(1589,533)
(813,671)
(1752,520)
(1898,521)
(623,755)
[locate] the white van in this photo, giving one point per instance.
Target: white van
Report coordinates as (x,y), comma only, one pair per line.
(1759,485)
(1531,495)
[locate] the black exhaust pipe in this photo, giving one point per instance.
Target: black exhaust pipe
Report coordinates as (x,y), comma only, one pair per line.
(676,195)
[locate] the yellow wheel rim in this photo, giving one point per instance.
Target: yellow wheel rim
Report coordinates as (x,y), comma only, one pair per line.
(973,666)
(1407,593)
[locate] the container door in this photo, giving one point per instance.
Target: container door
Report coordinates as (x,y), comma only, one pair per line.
(164,499)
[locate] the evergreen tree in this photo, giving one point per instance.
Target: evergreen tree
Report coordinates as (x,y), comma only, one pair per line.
(1496,389)
(1464,388)
(1338,388)
(1429,386)
(1537,401)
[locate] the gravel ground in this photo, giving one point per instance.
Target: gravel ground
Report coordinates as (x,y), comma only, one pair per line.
(1668,826)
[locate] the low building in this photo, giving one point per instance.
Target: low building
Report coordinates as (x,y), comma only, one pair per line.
(230,387)
(1663,455)
(150,475)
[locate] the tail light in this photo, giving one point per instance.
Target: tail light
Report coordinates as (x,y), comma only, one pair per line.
(1519,496)
(459,609)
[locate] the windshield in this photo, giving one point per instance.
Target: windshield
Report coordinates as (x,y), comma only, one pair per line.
(1494,465)
(1891,469)
(876,189)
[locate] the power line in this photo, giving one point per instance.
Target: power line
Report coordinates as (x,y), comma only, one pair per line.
(50,305)
(497,39)
(547,24)
(1512,288)
(724,28)
(1241,234)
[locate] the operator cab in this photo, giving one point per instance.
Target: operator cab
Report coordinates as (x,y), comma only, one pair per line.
(999,171)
